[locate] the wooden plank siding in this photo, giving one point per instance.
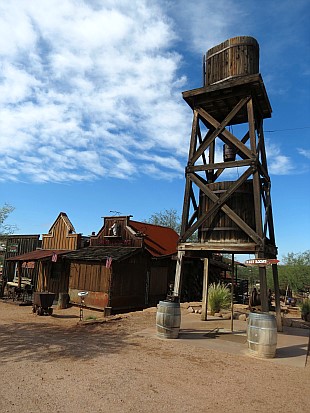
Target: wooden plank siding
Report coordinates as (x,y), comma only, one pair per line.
(60,237)
(17,245)
(161,275)
(129,283)
(124,234)
(92,277)
(53,277)
(237,56)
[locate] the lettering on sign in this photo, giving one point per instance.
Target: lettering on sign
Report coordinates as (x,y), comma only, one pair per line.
(262,261)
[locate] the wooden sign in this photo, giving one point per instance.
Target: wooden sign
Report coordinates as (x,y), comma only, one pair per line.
(261,261)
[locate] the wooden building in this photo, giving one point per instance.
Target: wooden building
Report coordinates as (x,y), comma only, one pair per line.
(14,245)
(52,272)
(128,265)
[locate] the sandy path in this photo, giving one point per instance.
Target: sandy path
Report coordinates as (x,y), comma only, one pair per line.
(52,364)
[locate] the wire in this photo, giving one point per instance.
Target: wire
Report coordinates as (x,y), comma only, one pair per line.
(283,130)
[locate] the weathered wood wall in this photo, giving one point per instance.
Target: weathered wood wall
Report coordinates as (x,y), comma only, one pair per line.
(17,245)
(60,238)
(53,277)
(124,235)
(129,283)
(161,275)
(92,277)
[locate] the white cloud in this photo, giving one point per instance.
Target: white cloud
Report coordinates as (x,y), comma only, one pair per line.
(84,86)
(278,164)
(206,23)
(92,89)
(304,152)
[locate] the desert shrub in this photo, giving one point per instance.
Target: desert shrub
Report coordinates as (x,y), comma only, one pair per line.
(219,297)
(305,308)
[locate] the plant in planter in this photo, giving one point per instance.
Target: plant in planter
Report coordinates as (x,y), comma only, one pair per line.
(219,297)
(305,309)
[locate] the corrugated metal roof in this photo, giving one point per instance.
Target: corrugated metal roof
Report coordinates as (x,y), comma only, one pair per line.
(37,255)
(101,253)
(158,240)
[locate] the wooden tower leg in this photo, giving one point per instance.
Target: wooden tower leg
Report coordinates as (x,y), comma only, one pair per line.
(277,296)
(178,274)
(204,306)
(263,289)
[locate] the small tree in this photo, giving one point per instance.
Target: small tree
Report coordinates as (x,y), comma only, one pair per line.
(167,218)
(296,270)
(5,211)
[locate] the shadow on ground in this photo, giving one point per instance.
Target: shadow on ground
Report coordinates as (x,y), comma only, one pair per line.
(47,342)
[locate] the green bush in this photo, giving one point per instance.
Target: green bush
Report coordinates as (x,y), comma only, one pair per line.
(219,297)
(305,308)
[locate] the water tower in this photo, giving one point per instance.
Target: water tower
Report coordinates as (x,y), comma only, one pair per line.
(227,199)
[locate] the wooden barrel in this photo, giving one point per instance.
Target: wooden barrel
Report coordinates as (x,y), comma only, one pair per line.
(262,335)
(229,153)
(168,319)
(219,227)
(238,56)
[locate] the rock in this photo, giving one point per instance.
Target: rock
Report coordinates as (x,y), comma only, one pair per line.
(217,315)
(226,316)
(190,310)
(308,317)
(242,317)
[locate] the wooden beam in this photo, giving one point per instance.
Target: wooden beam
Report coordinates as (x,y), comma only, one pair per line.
(277,296)
(219,127)
(178,274)
(204,305)
(211,166)
(219,203)
(229,137)
(263,287)
(19,269)
(244,248)
(256,181)
(193,142)
(186,206)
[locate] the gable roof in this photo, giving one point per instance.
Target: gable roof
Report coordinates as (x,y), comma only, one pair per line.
(158,240)
(37,255)
(101,253)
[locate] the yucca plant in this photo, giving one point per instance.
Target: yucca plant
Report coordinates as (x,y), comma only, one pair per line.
(219,297)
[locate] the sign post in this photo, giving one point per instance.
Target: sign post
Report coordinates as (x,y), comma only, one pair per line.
(261,263)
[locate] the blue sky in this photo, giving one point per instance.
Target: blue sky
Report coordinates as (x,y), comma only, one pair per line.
(92,118)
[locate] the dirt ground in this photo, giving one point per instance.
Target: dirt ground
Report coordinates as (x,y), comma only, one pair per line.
(56,364)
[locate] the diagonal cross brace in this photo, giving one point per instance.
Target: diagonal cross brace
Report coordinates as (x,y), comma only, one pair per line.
(219,203)
(220,129)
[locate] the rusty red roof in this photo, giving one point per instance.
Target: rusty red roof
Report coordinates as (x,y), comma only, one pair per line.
(37,255)
(158,240)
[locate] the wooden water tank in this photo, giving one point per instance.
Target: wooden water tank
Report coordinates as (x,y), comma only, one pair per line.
(219,227)
(237,56)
